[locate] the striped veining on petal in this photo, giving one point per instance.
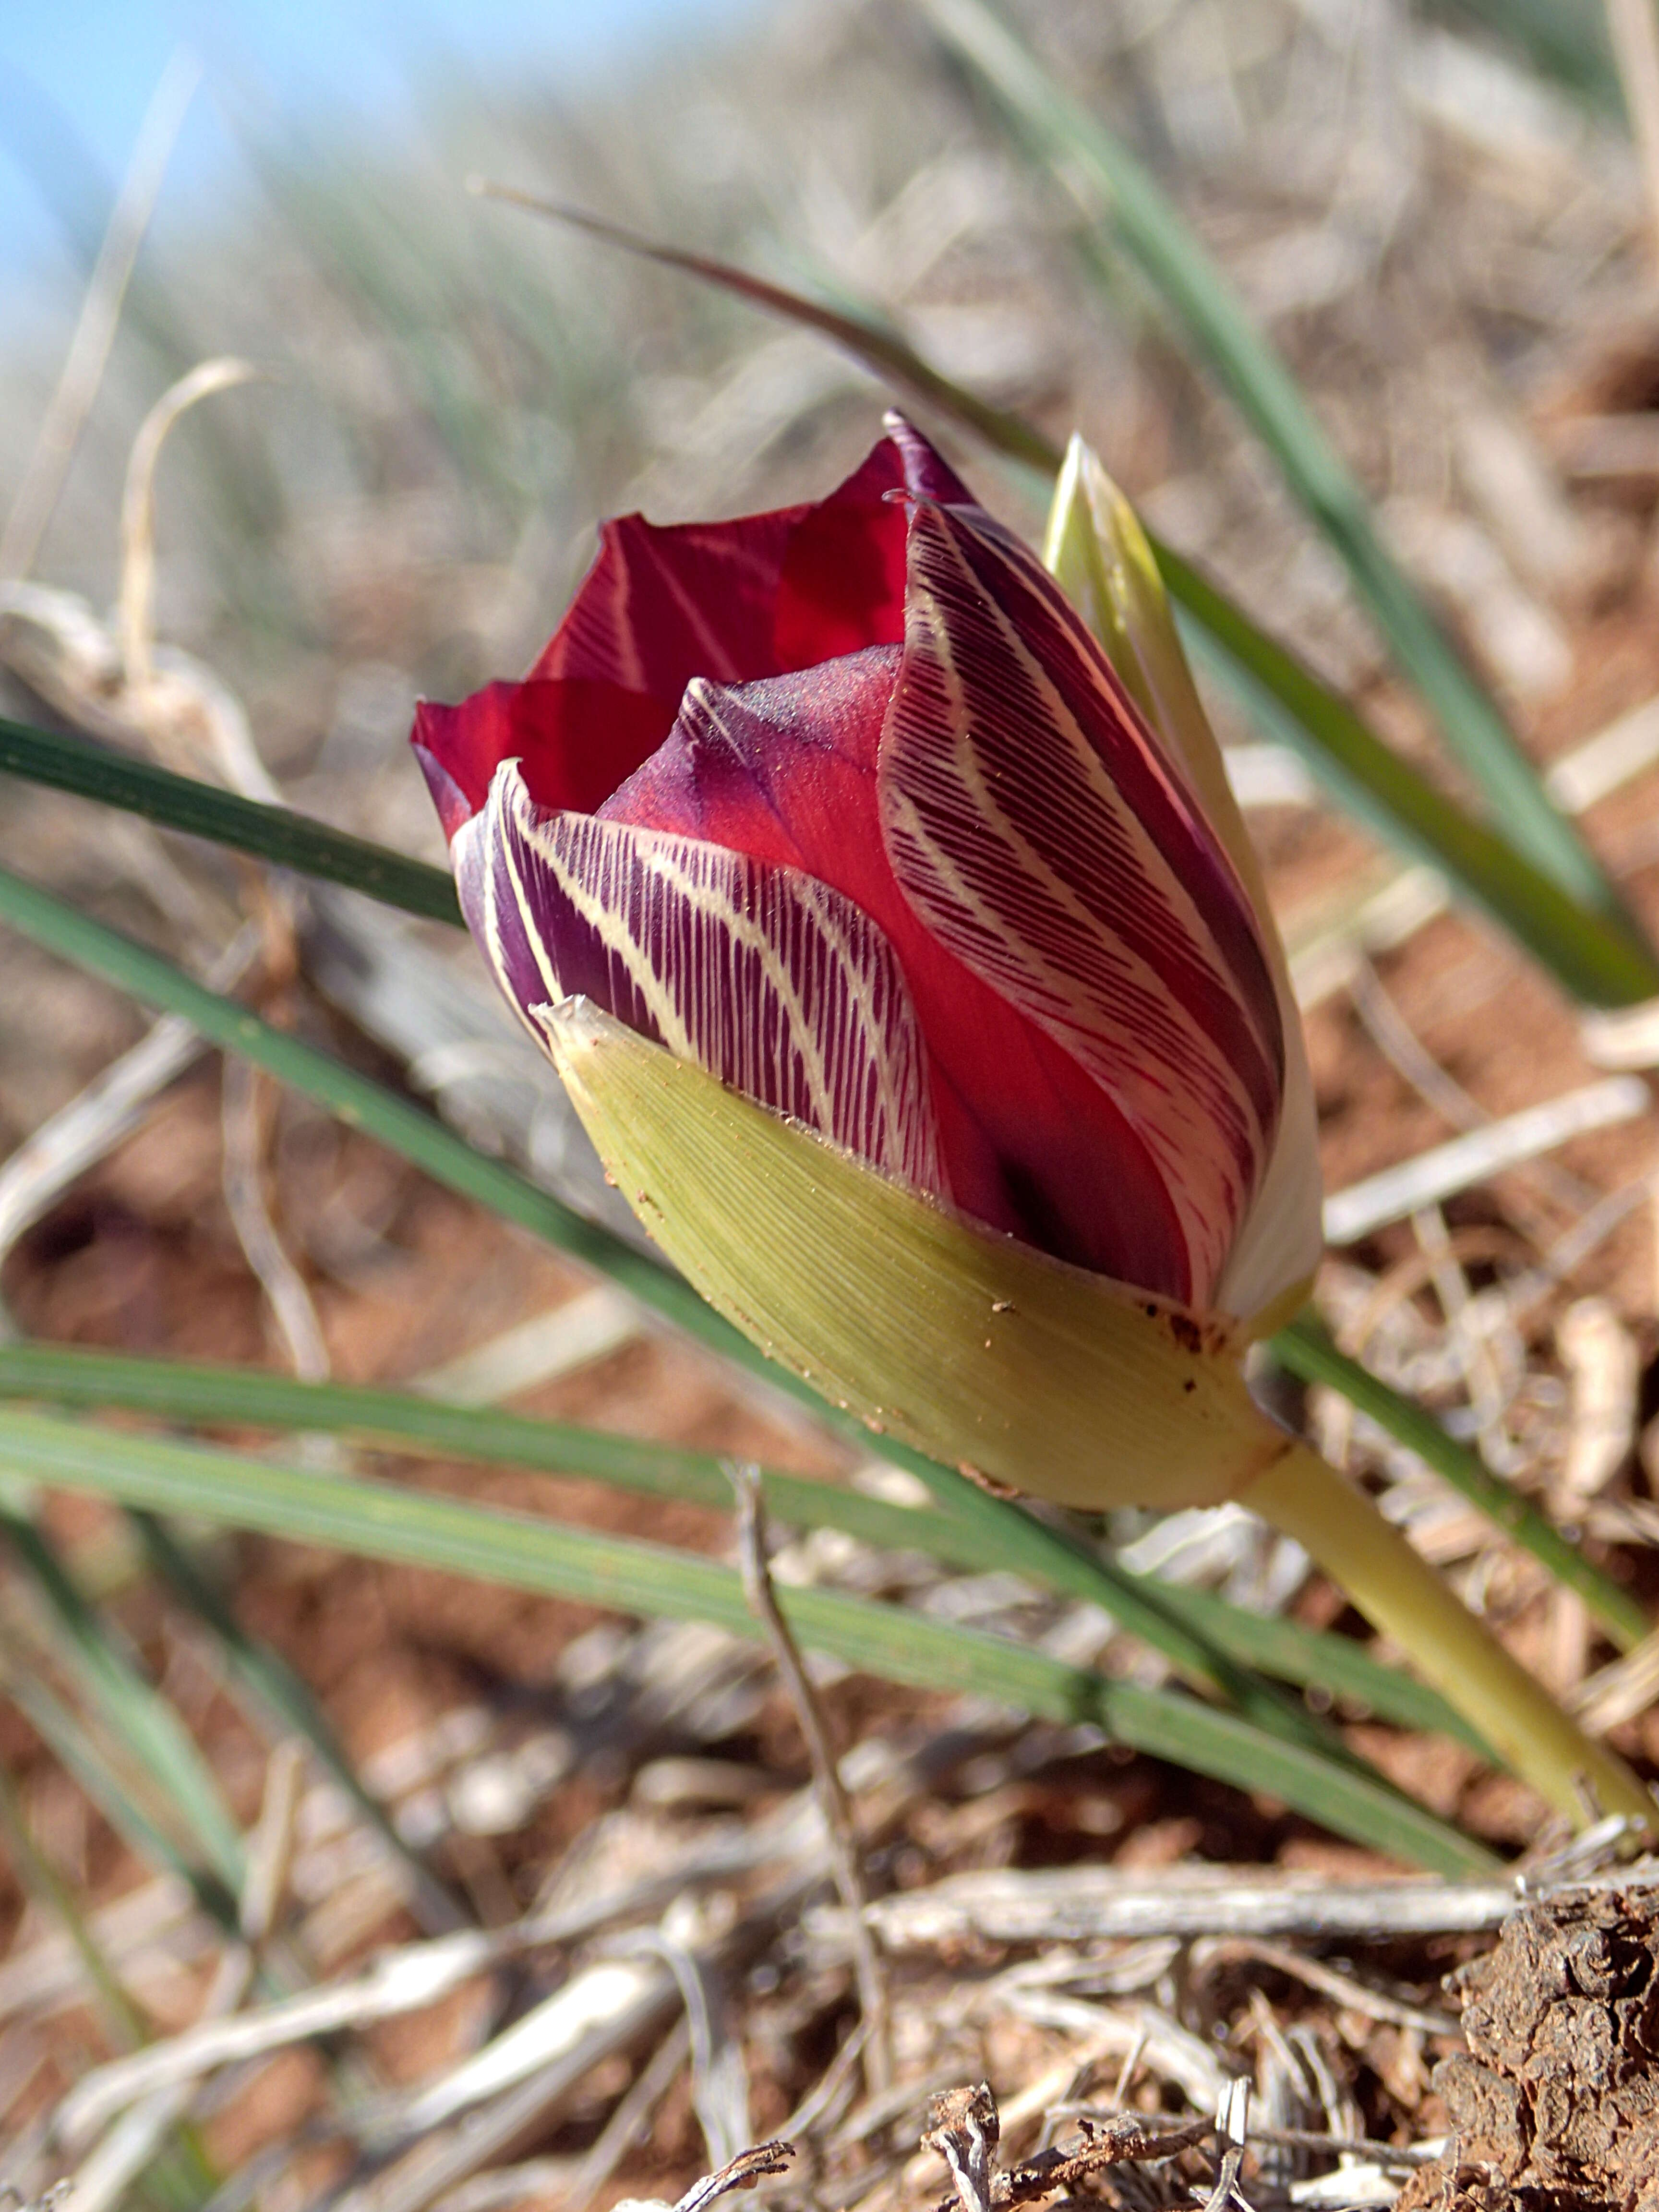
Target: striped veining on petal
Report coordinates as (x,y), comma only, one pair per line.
(1040,834)
(761,975)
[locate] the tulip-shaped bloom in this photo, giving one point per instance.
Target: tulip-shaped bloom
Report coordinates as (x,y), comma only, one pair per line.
(847,805)
(886,911)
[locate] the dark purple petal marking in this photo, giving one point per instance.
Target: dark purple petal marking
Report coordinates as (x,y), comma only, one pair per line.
(759,972)
(1041,836)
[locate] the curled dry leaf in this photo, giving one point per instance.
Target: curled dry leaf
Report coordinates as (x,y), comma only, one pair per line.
(742,2172)
(964,2127)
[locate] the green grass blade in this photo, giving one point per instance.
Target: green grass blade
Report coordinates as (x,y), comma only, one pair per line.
(1315,1659)
(1110,186)
(1305,1349)
(1566,40)
(1596,958)
(40,1880)
(357,1099)
(1593,956)
(268,832)
(132,1711)
(859,331)
(1599,962)
(69,1743)
(284,1697)
(1599,957)
(409,1421)
(90,1380)
(518,1550)
(1028,1545)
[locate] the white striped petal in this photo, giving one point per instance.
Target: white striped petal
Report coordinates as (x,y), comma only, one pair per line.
(1097,551)
(760,974)
(1045,840)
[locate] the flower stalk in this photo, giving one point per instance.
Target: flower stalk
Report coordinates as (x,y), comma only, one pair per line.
(1400,1593)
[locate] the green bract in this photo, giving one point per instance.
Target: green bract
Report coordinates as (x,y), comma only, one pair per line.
(970,1346)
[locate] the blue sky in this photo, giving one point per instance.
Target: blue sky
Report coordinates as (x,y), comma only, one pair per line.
(93,64)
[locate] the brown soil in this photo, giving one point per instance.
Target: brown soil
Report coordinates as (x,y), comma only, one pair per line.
(1555,2106)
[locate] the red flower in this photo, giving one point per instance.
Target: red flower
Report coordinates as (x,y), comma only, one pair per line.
(846,803)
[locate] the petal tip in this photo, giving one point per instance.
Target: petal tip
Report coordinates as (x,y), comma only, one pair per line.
(454,809)
(458,749)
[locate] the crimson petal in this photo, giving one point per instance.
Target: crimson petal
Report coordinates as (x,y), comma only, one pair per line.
(927,474)
(758,596)
(770,981)
(577,739)
(727,601)
(843,585)
(1035,826)
(663,604)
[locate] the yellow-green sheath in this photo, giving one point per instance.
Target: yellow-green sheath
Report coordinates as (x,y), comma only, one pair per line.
(969,1345)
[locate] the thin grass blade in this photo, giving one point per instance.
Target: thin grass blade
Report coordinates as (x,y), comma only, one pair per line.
(135,1714)
(1315,1659)
(84,1761)
(41,1881)
(516,1551)
(1598,957)
(1595,958)
(1565,39)
(89,1380)
(1306,1351)
(200,810)
(1594,961)
(281,1694)
(857,329)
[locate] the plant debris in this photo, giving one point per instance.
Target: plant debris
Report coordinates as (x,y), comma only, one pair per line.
(745,2171)
(965,2128)
(1555,2108)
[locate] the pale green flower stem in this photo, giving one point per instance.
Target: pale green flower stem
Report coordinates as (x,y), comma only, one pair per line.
(1401,1595)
